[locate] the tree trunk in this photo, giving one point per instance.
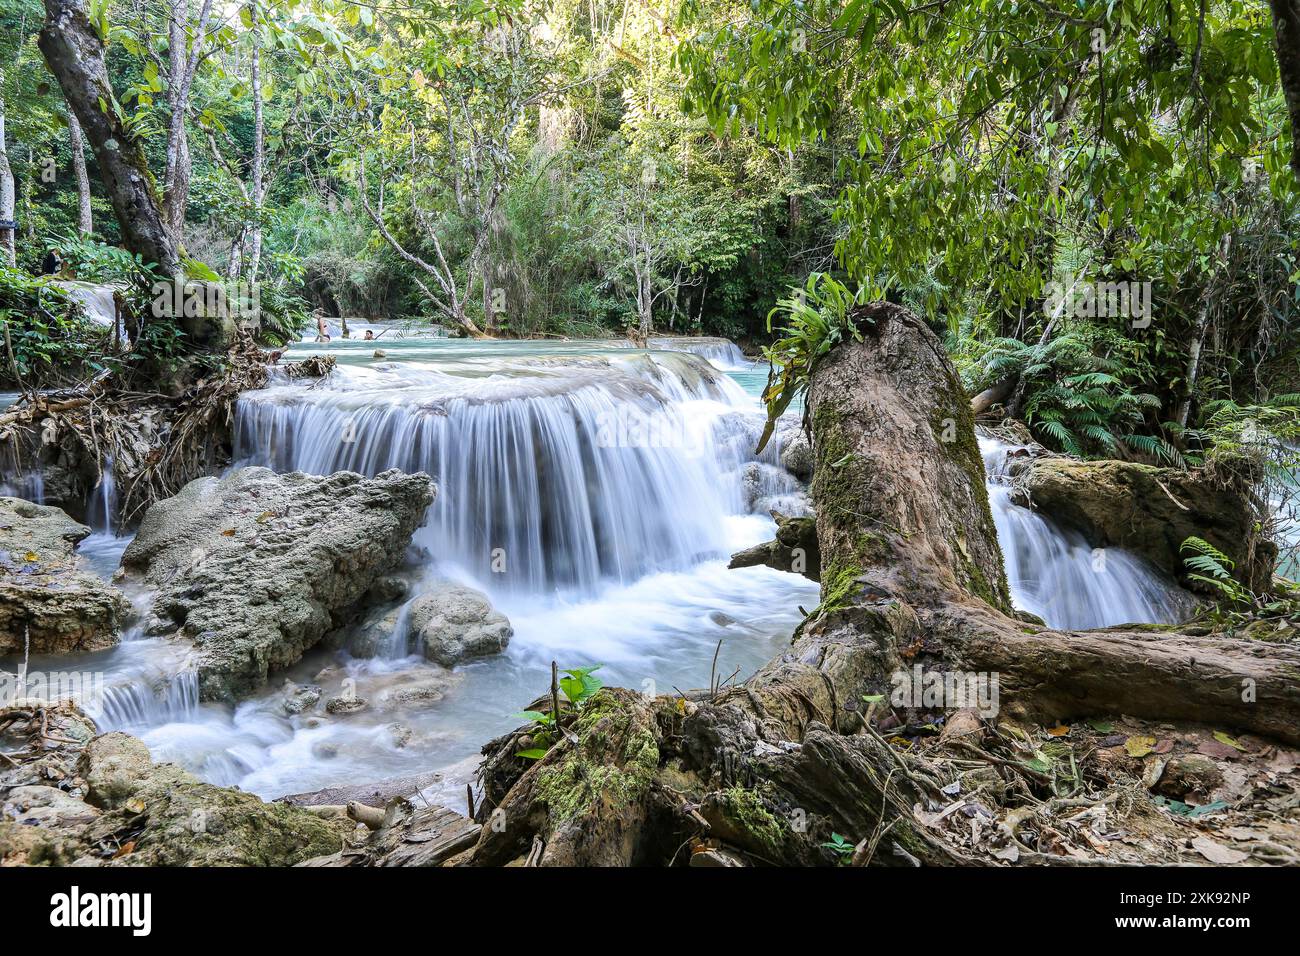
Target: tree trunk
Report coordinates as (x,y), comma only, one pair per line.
(259,163)
(75,55)
(1286,29)
(85,220)
(182,65)
(8,253)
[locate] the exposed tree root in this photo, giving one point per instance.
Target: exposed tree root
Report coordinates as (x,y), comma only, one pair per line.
(155,443)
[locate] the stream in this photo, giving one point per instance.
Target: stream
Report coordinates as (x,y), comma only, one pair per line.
(595,493)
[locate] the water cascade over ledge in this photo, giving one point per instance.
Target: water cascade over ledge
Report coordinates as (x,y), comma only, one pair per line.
(1055,573)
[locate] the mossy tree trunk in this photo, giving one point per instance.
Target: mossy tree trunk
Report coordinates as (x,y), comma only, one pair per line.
(75,54)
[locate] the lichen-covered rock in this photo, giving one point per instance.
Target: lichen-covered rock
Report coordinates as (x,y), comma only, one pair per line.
(255,568)
(177,820)
(1151,511)
(101,801)
(45,596)
(454,623)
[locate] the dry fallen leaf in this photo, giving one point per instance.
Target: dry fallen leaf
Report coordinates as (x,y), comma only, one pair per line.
(1217,852)
(1223,738)
(1060,731)
(228,533)
(1139,746)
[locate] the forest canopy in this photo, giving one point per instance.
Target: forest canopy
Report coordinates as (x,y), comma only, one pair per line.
(1020,173)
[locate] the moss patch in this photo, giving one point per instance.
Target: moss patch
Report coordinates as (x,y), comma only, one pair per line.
(616,758)
(746,810)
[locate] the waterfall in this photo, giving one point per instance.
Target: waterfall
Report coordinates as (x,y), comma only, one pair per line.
(722,354)
(1055,573)
(552,474)
(101,513)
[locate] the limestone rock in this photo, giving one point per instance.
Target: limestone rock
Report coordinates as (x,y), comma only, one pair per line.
(454,623)
(1151,511)
(796,452)
(255,568)
(44,593)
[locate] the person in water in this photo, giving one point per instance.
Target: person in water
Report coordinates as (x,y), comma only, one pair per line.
(370,335)
(322,330)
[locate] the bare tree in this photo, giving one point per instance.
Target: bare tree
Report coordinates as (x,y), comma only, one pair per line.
(85,220)
(182,63)
(7,225)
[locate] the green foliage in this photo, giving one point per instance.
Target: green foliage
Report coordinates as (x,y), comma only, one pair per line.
(578,687)
(1211,567)
(987,148)
(51,340)
(841,847)
(1074,398)
(817,318)
(91,260)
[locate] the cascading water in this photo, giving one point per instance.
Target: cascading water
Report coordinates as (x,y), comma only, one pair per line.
(102,512)
(569,475)
(1054,573)
(595,492)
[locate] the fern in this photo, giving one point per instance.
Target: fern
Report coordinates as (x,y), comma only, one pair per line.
(1207,565)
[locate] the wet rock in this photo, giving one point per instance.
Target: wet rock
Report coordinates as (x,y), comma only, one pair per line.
(388,589)
(299,698)
(256,568)
(418,692)
(454,623)
(1153,510)
(342,706)
(374,633)
(796,451)
(400,735)
(45,596)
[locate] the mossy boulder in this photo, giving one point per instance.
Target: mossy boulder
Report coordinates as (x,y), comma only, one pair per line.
(48,602)
(1152,511)
(115,807)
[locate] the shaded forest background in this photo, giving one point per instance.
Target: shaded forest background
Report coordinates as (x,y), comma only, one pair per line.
(586,167)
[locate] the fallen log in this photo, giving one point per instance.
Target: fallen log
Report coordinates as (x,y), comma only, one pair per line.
(793,549)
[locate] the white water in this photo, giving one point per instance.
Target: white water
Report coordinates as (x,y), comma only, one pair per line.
(1054,573)
(613,484)
(553,472)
